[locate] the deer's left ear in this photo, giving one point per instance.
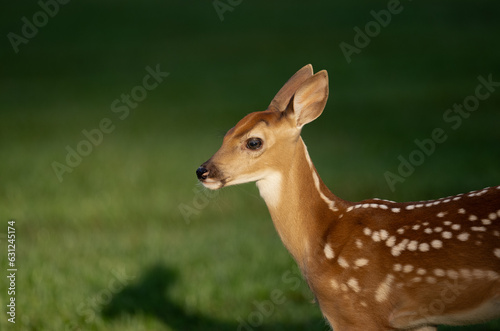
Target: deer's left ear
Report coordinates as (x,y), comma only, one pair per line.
(310,99)
(285,94)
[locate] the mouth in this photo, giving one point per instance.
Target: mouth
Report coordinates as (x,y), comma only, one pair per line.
(212,184)
(205,176)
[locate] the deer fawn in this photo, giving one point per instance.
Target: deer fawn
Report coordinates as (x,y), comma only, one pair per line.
(375,264)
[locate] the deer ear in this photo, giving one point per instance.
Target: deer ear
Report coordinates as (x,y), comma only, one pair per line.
(285,94)
(310,98)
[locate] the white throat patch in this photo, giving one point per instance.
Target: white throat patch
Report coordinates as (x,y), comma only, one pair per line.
(270,188)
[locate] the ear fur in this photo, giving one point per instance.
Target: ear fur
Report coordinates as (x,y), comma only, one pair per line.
(285,94)
(310,98)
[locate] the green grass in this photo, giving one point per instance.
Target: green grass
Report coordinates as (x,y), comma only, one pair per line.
(108,248)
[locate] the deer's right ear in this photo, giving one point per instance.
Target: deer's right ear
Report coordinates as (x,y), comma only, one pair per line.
(285,94)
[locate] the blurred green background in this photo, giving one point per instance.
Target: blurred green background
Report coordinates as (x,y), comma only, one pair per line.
(127,240)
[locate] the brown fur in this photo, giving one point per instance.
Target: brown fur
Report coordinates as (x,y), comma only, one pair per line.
(373,265)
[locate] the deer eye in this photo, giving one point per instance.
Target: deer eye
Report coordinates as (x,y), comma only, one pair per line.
(254,143)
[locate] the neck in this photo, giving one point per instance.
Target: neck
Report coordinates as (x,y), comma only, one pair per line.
(300,204)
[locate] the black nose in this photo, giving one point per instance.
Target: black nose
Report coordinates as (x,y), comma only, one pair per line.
(202,173)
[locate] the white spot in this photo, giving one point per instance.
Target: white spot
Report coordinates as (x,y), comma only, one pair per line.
(364,304)
(376,236)
(472,218)
(367,231)
(496,233)
(486,221)
(366,205)
(428,230)
(383,290)
(350,208)
(396,250)
(342,262)
(478,228)
(492,216)
(439,272)
(452,274)
(436,244)
(455,227)
(416,227)
(416,279)
(482,192)
(442,214)
(496,251)
(464,236)
(466,273)
(492,275)
(359,243)
(329,252)
(400,230)
(343,287)
(461,211)
(419,205)
(446,200)
(498,213)
(412,245)
(396,210)
(456,198)
(397,267)
(410,207)
(373,205)
(431,280)
(407,268)
(361,262)
(334,284)
(391,241)
(353,284)
(428,204)
(438,229)
(383,207)
(435,203)
(447,223)
(384,200)
(423,247)
(446,235)
(384,234)
(421,271)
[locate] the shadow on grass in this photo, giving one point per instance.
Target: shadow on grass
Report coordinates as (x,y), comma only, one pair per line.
(149,296)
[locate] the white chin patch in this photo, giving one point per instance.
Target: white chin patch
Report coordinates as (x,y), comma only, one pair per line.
(212,184)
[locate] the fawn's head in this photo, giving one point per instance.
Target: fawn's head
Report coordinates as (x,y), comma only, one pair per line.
(262,141)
